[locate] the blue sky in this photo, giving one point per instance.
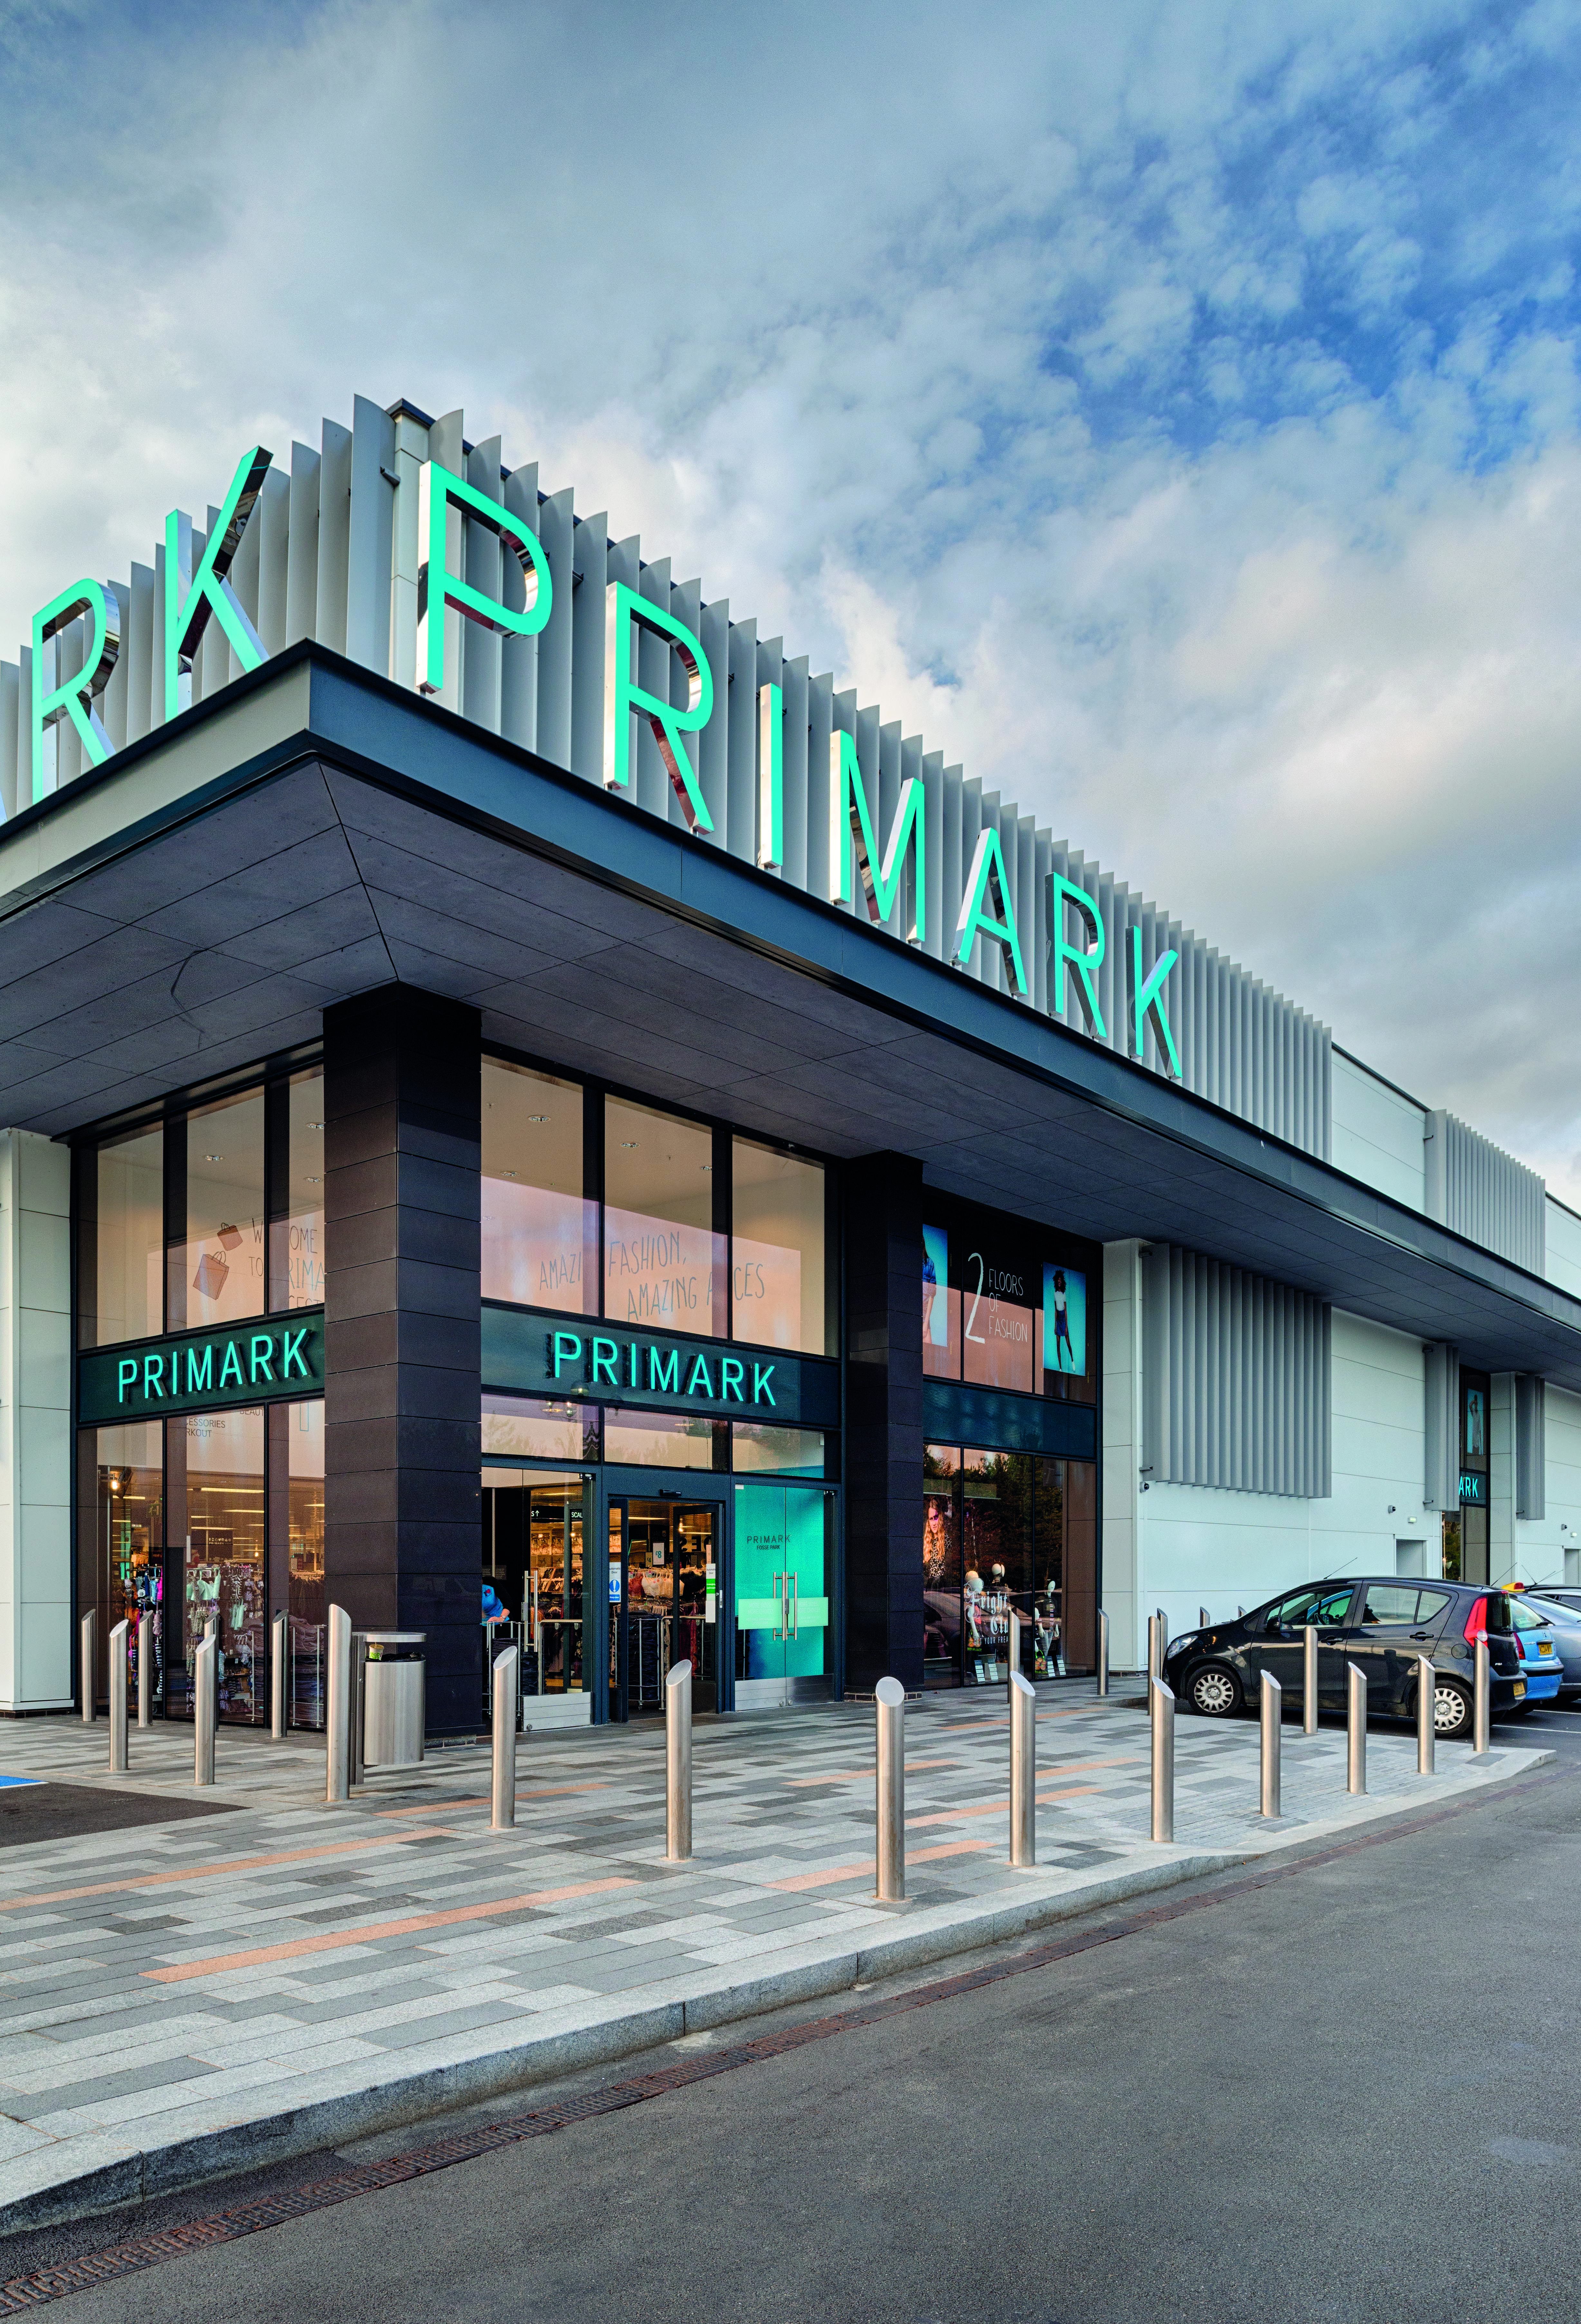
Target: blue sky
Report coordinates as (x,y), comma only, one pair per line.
(1172,413)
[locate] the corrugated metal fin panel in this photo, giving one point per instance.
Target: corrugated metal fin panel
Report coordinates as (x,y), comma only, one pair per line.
(1236,1379)
(1478,1190)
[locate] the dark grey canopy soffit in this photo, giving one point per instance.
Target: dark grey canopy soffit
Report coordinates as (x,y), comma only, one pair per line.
(193,907)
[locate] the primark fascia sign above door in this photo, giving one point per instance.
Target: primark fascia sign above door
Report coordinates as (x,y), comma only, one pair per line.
(891,867)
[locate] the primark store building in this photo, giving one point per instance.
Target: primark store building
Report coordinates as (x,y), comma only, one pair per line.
(530,1110)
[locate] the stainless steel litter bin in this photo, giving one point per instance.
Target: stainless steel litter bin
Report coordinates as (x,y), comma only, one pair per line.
(392,1699)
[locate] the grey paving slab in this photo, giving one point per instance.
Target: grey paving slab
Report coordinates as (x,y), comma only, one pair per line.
(292,1962)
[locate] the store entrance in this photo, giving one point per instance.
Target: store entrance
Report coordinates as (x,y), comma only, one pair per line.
(664,1569)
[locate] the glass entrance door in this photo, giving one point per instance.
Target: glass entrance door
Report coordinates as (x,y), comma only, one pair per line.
(782,1592)
(664,1563)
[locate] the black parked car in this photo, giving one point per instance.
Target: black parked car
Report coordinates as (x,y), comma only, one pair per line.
(1381,1626)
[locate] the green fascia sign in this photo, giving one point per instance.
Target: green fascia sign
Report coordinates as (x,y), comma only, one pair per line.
(1473,1488)
(195,1371)
(527,1352)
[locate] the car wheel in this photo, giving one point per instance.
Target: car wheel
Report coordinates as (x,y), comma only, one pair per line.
(1214,1692)
(1451,1711)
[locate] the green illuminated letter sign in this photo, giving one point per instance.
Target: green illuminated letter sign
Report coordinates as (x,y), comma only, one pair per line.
(437,587)
(1084,959)
(1147,994)
(986,909)
(191,598)
(623,696)
(850,832)
(770,777)
(66,701)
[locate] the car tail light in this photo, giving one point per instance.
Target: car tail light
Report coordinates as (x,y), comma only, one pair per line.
(1477,1619)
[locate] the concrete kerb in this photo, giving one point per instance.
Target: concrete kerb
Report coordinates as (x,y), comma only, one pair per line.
(101,2175)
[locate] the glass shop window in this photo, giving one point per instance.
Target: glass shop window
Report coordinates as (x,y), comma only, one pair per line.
(940,1565)
(760,1449)
(305,1489)
(778,1295)
(664,1267)
(663,1440)
(224,1530)
(541,1235)
(941,1309)
(1064,1350)
(297,1238)
(532,1571)
(539,1429)
(997,1317)
(130,1233)
(130,1467)
(216,1274)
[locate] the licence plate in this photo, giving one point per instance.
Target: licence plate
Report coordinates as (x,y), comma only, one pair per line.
(1520,1688)
(1545,1646)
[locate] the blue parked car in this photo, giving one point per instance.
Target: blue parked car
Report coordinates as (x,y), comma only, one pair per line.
(1538,1645)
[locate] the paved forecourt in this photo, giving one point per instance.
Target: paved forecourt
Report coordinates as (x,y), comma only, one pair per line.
(178,1999)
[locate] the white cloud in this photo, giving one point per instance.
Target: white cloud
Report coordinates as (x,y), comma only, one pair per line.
(1171,413)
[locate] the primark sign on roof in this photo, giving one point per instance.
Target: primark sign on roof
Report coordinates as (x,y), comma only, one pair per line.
(809,787)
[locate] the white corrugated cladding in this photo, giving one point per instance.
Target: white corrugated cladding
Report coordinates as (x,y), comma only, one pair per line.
(1478,1190)
(331,554)
(1236,1379)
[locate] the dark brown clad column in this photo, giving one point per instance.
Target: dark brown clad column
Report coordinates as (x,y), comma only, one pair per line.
(884,1412)
(401,1133)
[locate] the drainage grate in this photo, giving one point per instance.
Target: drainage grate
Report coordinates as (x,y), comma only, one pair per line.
(27,2291)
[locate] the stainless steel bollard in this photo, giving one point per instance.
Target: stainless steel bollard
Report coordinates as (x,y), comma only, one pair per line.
(338,1714)
(120,1641)
(1427,1687)
(1022,1771)
(88,1665)
(1482,1710)
(1356,1725)
(1163,1640)
(1103,1652)
(1202,1617)
(1309,1681)
(678,1764)
(1161,1706)
(1155,1653)
(145,1670)
(1270,1712)
(204,1708)
(280,1649)
(507,1679)
(1013,1648)
(889,1709)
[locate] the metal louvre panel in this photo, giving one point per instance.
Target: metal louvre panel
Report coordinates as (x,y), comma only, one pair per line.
(331,554)
(1236,1379)
(11,734)
(1441,1427)
(1531,1445)
(1478,1190)
(519,656)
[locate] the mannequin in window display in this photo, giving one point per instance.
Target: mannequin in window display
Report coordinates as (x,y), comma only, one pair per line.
(974,1610)
(1050,1629)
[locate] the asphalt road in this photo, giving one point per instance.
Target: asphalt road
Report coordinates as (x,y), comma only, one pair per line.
(1352,2092)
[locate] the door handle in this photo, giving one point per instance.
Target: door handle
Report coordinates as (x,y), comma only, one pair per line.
(1421,1633)
(795,1584)
(779,1601)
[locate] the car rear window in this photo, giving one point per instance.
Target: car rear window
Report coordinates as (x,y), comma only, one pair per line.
(1389,1602)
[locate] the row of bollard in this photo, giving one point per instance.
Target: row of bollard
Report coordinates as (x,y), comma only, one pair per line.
(1161,1719)
(344,1770)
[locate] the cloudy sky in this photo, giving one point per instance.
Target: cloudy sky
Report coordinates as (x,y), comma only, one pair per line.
(1173,411)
